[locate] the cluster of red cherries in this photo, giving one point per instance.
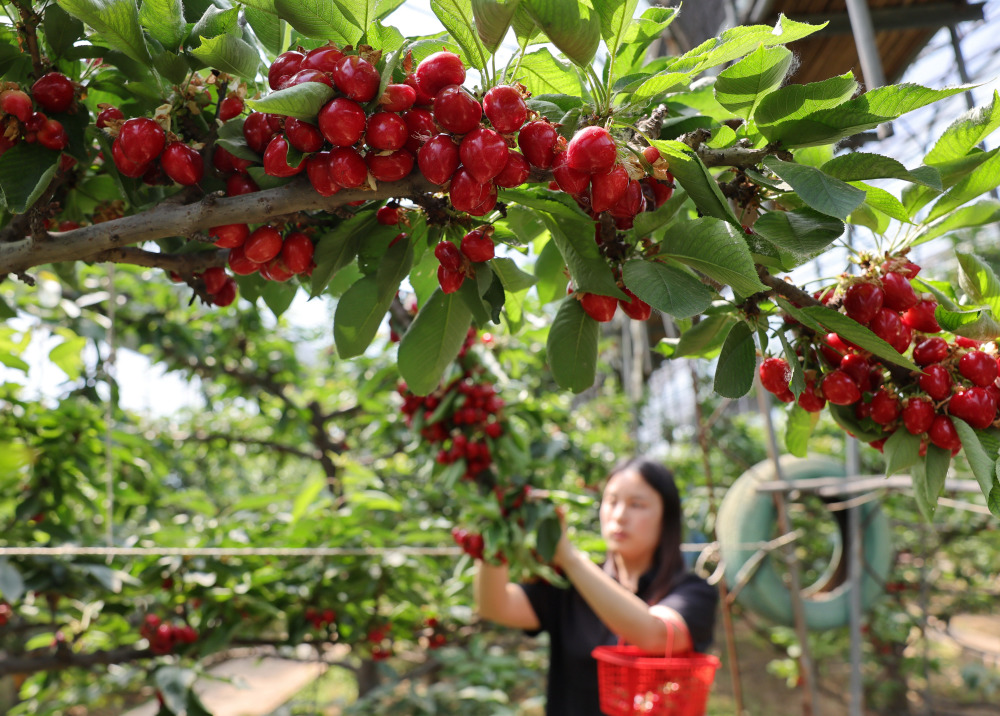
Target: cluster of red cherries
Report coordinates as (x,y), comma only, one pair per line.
(164,637)
(957,379)
(455,262)
(381,641)
(320,618)
(142,149)
(52,93)
(470,542)
(6,612)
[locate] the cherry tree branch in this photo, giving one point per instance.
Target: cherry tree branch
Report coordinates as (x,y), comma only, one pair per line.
(181,263)
(30,21)
(62,659)
(788,290)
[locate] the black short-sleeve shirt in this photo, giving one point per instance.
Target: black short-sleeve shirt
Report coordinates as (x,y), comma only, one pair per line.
(574,630)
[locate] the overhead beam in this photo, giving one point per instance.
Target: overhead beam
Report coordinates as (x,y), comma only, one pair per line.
(910,17)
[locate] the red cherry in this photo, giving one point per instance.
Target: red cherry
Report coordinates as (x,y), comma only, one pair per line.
(108,114)
(862,301)
(52,135)
(307,76)
(505,108)
(17,103)
(239,264)
(967,342)
(423,99)
(466,193)
(450,281)
(257,130)
(978,367)
(303,136)
(478,246)
(483,153)
(449,255)
(276,159)
(515,172)
(228,163)
(237,184)
(976,406)
(921,317)
(386,132)
(6,143)
(439,70)
(661,191)
(387,215)
(775,375)
(214,277)
(537,141)
(943,434)
(284,66)
(606,188)
(347,168)
(342,121)
(635,308)
(600,308)
(899,294)
(884,407)
(125,165)
(809,400)
(142,140)
(53,92)
(569,180)
(263,244)
(230,107)
(421,127)
(935,381)
(356,78)
(35,122)
(858,368)
(297,252)
(397,98)
(323,58)
(918,415)
(887,325)
(229,236)
(631,203)
(930,350)
(834,349)
(276,270)
(839,388)
(456,110)
(438,158)
(592,150)
(390,167)
(318,171)
(182,164)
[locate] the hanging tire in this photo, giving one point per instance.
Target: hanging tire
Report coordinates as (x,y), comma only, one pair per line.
(747,516)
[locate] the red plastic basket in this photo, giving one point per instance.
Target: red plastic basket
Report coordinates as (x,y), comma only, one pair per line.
(631,681)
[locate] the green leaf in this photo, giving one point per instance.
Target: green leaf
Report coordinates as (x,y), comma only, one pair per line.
(572,347)
(737,363)
(979,214)
(493,18)
(799,429)
(117,23)
(740,88)
(25,172)
(432,341)
(571,26)
(61,30)
(359,314)
(716,249)
(983,463)
(230,54)
(174,67)
(616,16)
(667,288)
(375,500)
(640,34)
(881,200)
(823,193)
(646,90)
(550,271)
(278,296)
(850,330)
(866,112)
(979,282)
(589,270)
(902,450)
(231,138)
(799,235)
(11,582)
(858,166)
(266,25)
(705,337)
(692,174)
(361,14)
(928,479)
(983,179)
(795,101)
(320,19)
(302,101)
(966,132)
(993,501)
(336,250)
(549,533)
(542,73)
(976,323)
(216,21)
(68,356)
(511,277)
(457,17)
(844,416)
(798,382)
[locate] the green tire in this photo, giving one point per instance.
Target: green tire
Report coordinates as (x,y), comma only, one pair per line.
(747,517)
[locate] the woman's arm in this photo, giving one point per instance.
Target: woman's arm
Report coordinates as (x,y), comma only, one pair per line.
(500,601)
(623,612)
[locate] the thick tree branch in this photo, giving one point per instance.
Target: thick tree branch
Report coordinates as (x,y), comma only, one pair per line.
(741,157)
(268,445)
(30,21)
(790,291)
(59,660)
(181,263)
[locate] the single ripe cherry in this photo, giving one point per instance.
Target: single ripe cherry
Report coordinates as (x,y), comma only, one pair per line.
(884,407)
(318,171)
(53,92)
(258,132)
(438,158)
(284,66)
(569,180)
(943,434)
(108,114)
(449,256)
(226,294)
(466,192)
(483,153)
(592,150)
(921,317)
(840,388)
(307,76)
(297,252)
(606,188)
(303,136)
(342,121)
(537,141)
(231,106)
(17,103)
(930,350)
(423,99)
(775,375)
(347,168)
(515,172)
(976,406)
(142,140)
(505,108)
(420,126)
(456,110)
(918,415)
(862,301)
(182,164)
(631,203)
(397,98)
(936,381)
(978,367)
(52,135)
(237,184)
(887,325)
(263,244)
(477,245)
(899,294)
(324,58)
(858,368)
(450,281)
(229,236)
(635,308)
(386,132)
(239,264)
(125,165)
(438,71)
(810,400)
(600,308)
(276,159)
(390,167)
(214,278)
(356,78)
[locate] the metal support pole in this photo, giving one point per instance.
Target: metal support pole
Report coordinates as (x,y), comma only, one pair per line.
(871,61)
(855,572)
(810,706)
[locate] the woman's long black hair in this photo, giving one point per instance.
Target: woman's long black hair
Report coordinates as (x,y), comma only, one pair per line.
(668,562)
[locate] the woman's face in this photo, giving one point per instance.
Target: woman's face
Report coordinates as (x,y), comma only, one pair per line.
(631,515)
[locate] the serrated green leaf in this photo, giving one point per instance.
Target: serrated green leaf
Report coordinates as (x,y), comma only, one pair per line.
(542,74)
(883,201)
(589,270)
(799,235)
(68,356)
(320,19)
(337,249)
(798,382)
(799,429)
(550,271)
(704,338)
(844,416)
(646,90)
(716,249)
(979,214)
(511,276)
(278,296)
(692,174)
(573,27)
(901,450)
(976,323)
(928,479)
(230,54)
(975,183)
(266,25)
(821,192)
(852,331)
(859,166)
(640,34)
(666,288)
(795,101)
(737,363)
(741,88)
(493,19)
(966,132)
(359,313)
(302,101)
(457,17)
(216,21)
(615,17)
(432,341)
(983,463)
(572,347)
(25,172)
(61,30)
(117,22)
(950,173)
(979,282)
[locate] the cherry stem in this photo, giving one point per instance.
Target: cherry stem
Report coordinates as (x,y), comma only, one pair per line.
(30,21)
